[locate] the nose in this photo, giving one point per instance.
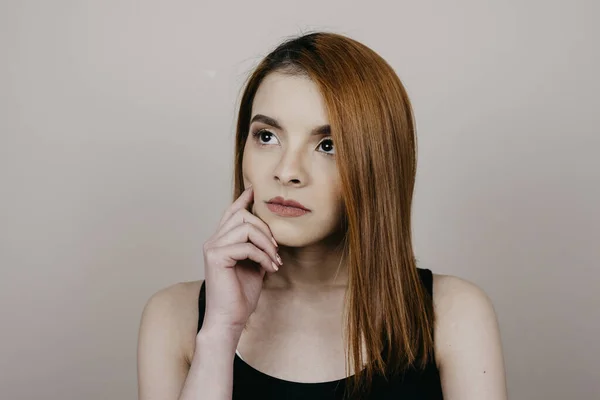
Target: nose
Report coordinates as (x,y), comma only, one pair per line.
(290,171)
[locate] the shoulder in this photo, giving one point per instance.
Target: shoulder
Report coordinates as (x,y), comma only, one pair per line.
(458,297)
(171,314)
(467,339)
(177,303)
(462,311)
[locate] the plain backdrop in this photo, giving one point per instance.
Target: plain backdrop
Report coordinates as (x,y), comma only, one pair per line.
(116,140)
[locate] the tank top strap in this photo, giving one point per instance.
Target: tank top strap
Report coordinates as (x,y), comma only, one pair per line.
(201,305)
(427,279)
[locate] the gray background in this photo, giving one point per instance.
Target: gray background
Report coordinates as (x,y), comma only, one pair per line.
(116,141)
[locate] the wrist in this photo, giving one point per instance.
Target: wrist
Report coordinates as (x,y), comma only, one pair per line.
(219,339)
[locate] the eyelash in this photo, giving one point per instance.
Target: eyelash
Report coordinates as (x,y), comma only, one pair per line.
(257,133)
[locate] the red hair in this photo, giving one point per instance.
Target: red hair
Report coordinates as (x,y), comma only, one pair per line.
(389,311)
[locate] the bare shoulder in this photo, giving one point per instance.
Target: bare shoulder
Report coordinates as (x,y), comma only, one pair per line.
(467,340)
(460,306)
(166,340)
(453,294)
(174,311)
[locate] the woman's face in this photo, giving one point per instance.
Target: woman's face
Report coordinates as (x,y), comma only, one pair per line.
(287,155)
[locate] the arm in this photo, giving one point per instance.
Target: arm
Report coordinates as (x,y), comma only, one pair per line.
(166,368)
(211,372)
(467,341)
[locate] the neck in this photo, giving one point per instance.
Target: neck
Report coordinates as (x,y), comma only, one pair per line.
(317,266)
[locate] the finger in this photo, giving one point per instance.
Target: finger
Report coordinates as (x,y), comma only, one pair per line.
(242,216)
(240,203)
(232,253)
(249,232)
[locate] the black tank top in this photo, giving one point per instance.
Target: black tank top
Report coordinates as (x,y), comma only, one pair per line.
(413,384)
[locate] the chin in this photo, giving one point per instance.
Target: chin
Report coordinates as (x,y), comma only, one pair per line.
(290,236)
(291,241)
(286,235)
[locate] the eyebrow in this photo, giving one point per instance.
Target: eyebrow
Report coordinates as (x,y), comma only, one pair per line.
(321,130)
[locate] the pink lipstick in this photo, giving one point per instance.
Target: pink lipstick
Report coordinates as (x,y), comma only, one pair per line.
(286,208)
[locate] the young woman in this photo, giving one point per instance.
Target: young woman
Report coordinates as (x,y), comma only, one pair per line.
(312,289)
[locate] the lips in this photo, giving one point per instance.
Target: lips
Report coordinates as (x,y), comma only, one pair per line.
(288,203)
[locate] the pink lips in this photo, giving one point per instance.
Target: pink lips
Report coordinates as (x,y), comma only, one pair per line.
(286,208)
(289,203)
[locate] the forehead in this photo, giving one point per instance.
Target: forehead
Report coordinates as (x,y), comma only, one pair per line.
(293,100)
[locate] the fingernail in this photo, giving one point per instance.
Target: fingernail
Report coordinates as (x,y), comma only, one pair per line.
(274,242)
(275,266)
(279,259)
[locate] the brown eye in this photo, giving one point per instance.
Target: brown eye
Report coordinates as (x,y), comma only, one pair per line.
(327,145)
(263,134)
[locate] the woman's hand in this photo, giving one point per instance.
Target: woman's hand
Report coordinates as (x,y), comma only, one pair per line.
(236,259)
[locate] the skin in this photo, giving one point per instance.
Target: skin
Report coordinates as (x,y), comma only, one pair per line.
(294,164)
(299,312)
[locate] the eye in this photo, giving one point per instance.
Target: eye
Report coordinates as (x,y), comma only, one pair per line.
(263,134)
(327,145)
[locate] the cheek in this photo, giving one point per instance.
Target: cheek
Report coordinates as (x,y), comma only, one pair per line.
(336,196)
(331,195)
(247,169)
(251,164)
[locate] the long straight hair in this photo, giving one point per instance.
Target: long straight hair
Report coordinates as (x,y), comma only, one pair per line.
(389,313)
